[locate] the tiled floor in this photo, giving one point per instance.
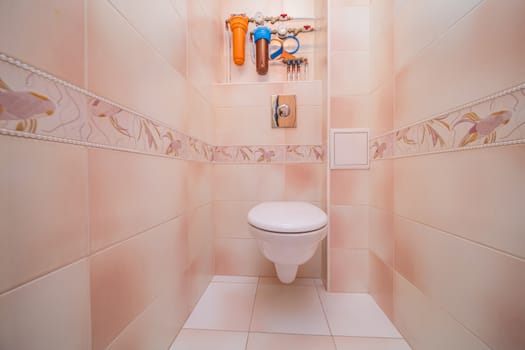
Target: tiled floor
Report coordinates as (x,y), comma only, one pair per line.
(249,313)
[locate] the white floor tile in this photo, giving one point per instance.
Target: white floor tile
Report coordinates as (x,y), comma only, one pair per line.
(235,279)
(192,339)
(273,341)
(356,343)
(224,306)
(356,314)
(288,309)
(297,282)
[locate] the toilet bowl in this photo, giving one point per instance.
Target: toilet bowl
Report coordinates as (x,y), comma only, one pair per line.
(287,234)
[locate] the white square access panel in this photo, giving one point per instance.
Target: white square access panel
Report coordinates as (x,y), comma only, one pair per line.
(349,148)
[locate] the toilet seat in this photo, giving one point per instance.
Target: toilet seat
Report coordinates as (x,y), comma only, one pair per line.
(287,217)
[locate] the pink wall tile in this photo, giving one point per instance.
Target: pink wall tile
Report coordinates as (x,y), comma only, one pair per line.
(418,24)
(167,32)
(235,256)
(485,296)
(200,231)
(381,42)
(349,187)
(43,221)
(348,270)
(155,327)
(350,111)
(350,72)
(381,184)
(380,119)
(249,182)
(128,277)
(313,267)
(381,284)
(48,313)
(437,190)
(304,182)
(446,75)
(349,227)
(199,182)
(244,95)
(350,26)
(52,38)
(231,218)
(424,324)
(309,127)
(130,193)
(143,81)
(246,126)
(381,235)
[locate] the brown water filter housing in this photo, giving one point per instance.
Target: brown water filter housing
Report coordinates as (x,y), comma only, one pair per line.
(261,36)
(261,56)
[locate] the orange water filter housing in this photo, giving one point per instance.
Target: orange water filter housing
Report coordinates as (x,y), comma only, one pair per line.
(239,27)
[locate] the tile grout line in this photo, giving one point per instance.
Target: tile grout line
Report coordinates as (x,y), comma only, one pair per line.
(251,315)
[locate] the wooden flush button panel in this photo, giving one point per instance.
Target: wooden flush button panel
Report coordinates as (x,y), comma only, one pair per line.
(283,111)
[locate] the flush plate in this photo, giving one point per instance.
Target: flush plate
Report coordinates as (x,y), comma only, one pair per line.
(283,111)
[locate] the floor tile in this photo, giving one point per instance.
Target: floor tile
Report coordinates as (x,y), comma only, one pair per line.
(356,314)
(297,282)
(274,341)
(215,308)
(192,339)
(357,343)
(288,309)
(235,279)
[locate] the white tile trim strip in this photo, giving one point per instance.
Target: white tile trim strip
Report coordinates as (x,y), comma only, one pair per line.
(493,121)
(81,117)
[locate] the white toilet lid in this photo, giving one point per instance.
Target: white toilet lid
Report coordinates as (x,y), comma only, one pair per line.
(287,217)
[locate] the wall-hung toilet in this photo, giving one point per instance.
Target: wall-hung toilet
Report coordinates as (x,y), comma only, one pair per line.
(287,234)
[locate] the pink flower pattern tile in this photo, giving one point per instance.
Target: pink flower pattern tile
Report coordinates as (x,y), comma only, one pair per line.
(36,104)
(496,120)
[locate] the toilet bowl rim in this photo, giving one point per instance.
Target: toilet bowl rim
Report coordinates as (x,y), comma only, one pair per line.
(283,233)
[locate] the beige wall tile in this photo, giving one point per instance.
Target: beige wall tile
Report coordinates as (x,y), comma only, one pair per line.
(477,194)
(43,201)
(425,325)
(52,37)
(480,287)
(48,313)
(130,193)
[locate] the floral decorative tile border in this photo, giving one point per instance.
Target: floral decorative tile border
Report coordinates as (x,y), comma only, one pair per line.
(37,105)
(492,121)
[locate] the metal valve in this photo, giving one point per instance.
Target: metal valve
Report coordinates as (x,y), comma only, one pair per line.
(283,110)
